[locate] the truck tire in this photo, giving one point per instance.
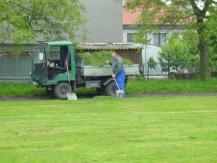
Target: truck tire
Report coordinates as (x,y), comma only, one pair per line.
(61,90)
(109,89)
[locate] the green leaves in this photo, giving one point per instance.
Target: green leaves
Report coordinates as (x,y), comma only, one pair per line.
(179,52)
(199,15)
(32,20)
(211,32)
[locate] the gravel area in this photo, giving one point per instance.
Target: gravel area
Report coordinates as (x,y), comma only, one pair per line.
(31,98)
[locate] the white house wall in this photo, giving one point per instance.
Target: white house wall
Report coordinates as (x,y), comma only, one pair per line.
(149,35)
(151,51)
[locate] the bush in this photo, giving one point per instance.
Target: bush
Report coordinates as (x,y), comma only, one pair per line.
(178,55)
(152,63)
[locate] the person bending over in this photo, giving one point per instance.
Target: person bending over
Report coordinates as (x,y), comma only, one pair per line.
(118,72)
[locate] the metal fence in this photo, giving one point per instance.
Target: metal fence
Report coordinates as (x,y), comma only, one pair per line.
(179,70)
(15,68)
(15,62)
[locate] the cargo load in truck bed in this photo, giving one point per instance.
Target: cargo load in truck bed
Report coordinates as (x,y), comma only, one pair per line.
(98,58)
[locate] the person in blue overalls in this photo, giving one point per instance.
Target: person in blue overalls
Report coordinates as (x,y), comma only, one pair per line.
(118,72)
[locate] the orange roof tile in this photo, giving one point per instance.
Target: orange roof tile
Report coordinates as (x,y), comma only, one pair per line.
(131,17)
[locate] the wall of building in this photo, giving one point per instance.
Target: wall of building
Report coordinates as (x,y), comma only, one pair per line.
(168,30)
(104,21)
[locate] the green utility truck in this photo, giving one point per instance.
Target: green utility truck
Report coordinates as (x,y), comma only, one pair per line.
(57,68)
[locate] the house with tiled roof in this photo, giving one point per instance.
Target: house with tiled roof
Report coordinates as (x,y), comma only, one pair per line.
(131,24)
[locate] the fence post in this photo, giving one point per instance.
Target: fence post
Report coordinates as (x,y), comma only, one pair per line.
(168,71)
(148,70)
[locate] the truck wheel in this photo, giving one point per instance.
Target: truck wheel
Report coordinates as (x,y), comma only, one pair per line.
(61,90)
(109,89)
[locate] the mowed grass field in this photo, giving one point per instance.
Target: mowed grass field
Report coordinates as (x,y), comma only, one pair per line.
(103,129)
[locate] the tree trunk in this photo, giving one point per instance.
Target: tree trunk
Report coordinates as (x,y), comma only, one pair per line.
(205,72)
(200,14)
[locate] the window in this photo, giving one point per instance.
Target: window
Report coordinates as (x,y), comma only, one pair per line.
(39,55)
(159,39)
(59,54)
(130,37)
(54,53)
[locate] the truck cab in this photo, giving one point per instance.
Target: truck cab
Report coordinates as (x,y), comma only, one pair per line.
(54,67)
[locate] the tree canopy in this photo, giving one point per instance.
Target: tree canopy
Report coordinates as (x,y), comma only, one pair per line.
(198,15)
(29,20)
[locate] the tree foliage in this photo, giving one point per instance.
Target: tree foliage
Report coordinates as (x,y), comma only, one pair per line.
(180,53)
(29,20)
(152,63)
(194,14)
(211,32)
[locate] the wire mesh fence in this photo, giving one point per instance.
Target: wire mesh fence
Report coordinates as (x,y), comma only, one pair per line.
(178,70)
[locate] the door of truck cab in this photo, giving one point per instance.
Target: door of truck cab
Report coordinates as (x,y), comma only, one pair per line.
(39,65)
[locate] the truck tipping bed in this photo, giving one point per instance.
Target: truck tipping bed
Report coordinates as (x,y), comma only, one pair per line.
(94,71)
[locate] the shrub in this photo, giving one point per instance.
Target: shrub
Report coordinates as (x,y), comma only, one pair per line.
(178,55)
(152,63)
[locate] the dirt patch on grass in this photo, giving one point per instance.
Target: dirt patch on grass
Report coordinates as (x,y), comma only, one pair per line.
(24,98)
(172,94)
(32,98)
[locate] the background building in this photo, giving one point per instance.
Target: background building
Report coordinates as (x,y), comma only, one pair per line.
(104,21)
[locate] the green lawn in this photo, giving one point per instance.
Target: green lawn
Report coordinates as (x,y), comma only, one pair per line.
(139,86)
(102,129)
(172,86)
